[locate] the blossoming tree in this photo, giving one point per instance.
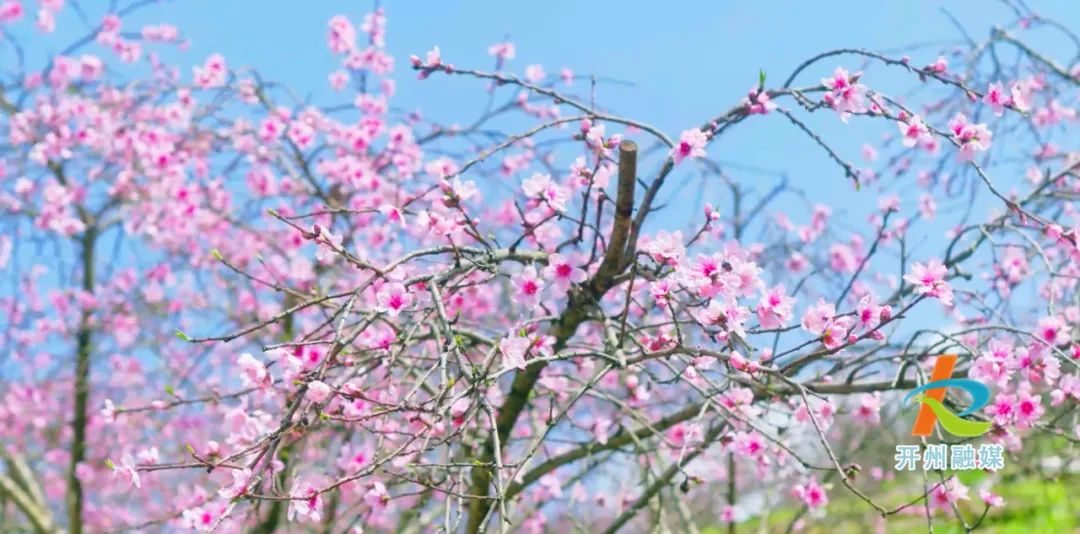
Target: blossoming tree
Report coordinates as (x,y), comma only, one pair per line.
(230,309)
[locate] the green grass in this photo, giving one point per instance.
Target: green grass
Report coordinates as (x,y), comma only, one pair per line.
(1032,507)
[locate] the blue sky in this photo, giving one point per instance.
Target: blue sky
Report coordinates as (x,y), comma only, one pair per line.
(684,61)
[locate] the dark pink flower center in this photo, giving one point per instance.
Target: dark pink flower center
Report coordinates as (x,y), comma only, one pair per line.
(1027,407)
(529,287)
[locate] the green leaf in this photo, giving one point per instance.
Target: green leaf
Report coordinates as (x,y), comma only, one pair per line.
(180,334)
(217,255)
(169,390)
(761,78)
(109,463)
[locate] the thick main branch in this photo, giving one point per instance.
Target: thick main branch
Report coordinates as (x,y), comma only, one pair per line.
(74,497)
(575,313)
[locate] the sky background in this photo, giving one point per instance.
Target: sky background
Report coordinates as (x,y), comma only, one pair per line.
(686,61)
(682,63)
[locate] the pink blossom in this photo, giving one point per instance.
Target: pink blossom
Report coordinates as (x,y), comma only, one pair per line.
(393,298)
(11,11)
(338,79)
(728,514)
(212,73)
(691,145)
(459,190)
(837,333)
(341,35)
(128,471)
(504,51)
(740,400)
(665,248)
(972,138)
(433,58)
(822,412)
(528,287)
(749,444)
(241,480)
(5,251)
(991,499)
(939,66)
(758,102)
(929,279)
(842,258)
(109,411)
(661,290)
(988,368)
(948,493)
(542,187)
(818,317)
(514,349)
(927,206)
(1052,331)
(534,73)
(551,486)
(594,136)
(562,273)
(728,314)
(912,131)
(306,503)
(328,243)
(253,372)
(1020,96)
(846,95)
(1003,409)
(1028,409)
(742,364)
(201,518)
(869,315)
(775,308)
(996,99)
(377,496)
(319,391)
(600,430)
(354,459)
(46,21)
(810,493)
(869,408)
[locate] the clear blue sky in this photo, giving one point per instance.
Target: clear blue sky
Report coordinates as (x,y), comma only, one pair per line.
(686,60)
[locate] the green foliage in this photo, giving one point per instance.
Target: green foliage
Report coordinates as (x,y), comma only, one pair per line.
(1032,506)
